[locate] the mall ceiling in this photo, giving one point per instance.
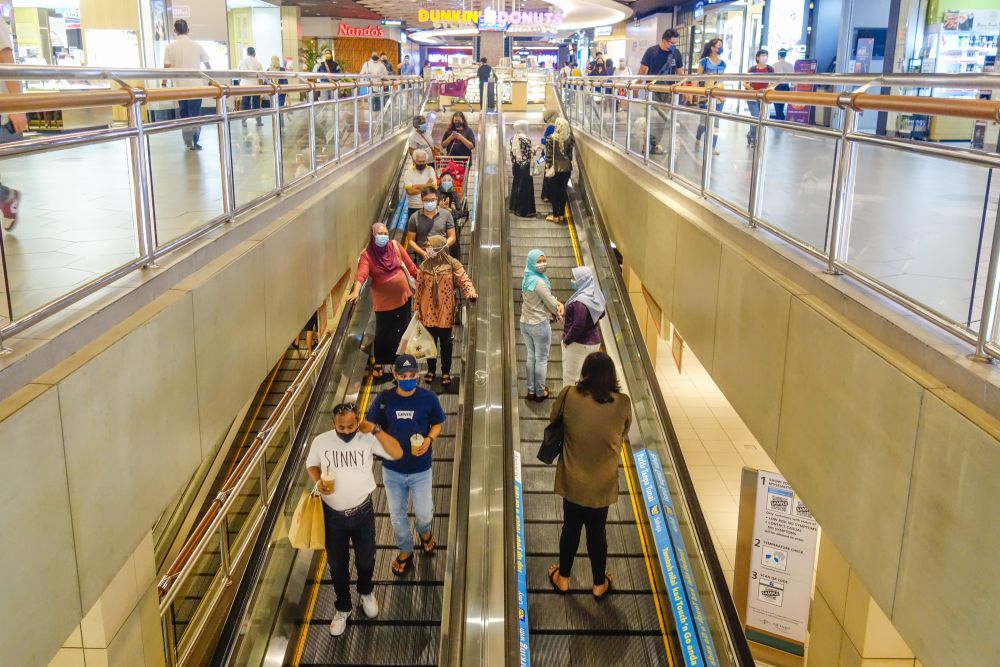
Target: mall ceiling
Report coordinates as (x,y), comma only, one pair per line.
(347,9)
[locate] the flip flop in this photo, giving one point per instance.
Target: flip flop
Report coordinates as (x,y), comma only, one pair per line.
(607,578)
(430,541)
(405,562)
(429,377)
(553,571)
(446,379)
(541,397)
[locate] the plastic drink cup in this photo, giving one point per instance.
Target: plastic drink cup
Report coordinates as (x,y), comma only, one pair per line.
(416,442)
(326,482)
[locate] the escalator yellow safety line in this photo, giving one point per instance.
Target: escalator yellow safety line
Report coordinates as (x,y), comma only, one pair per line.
(317,573)
(647,552)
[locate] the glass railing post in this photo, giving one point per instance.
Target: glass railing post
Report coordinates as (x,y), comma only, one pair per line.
(279,162)
(226,154)
(840,208)
(628,119)
(706,148)
(649,130)
(336,125)
(313,94)
(757,168)
(139,167)
(357,130)
(991,298)
(672,119)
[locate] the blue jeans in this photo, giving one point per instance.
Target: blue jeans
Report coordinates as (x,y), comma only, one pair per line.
(754,107)
(399,488)
(701,126)
(537,338)
(190,109)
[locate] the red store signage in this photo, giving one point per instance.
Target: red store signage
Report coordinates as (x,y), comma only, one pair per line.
(367,31)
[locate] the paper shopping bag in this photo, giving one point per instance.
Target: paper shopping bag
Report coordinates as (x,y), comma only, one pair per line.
(417,341)
(307,531)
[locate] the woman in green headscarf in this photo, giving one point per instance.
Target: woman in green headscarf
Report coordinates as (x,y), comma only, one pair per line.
(538,310)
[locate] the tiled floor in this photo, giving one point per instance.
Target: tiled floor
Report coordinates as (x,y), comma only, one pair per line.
(716,445)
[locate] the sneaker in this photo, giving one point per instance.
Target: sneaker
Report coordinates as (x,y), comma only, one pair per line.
(8,209)
(715,151)
(370,605)
(339,623)
(196,147)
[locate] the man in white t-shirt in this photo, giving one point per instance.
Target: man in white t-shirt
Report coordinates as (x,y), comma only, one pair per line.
(11,127)
(340,463)
(417,177)
(782,66)
(373,67)
(185,53)
(251,64)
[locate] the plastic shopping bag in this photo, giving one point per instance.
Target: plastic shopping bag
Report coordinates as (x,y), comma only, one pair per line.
(307,530)
(417,341)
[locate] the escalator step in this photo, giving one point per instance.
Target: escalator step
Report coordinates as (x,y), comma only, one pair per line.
(581,650)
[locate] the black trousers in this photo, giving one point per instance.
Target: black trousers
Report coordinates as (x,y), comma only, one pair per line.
(559,193)
(442,339)
(342,532)
(575,517)
(389,328)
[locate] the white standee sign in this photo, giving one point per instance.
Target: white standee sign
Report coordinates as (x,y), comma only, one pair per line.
(781,568)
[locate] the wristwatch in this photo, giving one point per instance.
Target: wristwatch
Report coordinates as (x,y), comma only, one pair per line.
(376,429)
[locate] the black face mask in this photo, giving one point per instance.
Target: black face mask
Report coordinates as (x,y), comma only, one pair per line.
(457,124)
(347,437)
(374,58)
(420,167)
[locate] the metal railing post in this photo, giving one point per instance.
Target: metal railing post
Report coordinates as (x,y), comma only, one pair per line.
(169,637)
(138,164)
(991,298)
(706,149)
(312,129)
(263,479)
(357,130)
(336,125)
(226,153)
(757,167)
(672,119)
(840,209)
(279,161)
(649,130)
(224,555)
(628,120)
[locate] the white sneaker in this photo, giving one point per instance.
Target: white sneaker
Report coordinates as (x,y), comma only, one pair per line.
(339,623)
(715,152)
(370,605)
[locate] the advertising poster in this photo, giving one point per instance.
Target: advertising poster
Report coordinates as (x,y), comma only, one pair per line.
(863,61)
(782,559)
(799,113)
(524,657)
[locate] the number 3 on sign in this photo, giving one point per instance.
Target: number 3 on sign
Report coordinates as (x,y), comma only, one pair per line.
(753,574)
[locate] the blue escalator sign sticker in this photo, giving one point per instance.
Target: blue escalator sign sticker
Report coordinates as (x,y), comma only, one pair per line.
(698,611)
(522,570)
(686,632)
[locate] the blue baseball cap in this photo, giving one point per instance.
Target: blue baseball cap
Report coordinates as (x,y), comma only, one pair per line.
(405,363)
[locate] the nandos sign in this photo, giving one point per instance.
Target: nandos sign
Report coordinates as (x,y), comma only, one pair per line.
(345,30)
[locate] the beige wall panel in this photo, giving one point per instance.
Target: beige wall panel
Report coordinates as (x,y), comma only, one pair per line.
(130,442)
(659,240)
(229,341)
(948,565)
(38,582)
(292,260)
(845,442)
(696,290)
(824,635)
(750,338)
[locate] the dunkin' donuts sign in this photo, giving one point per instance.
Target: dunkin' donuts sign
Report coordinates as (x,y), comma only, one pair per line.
(365,31)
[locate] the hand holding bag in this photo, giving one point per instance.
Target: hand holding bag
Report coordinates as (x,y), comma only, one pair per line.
(417,341)
(555,433)
(307,530)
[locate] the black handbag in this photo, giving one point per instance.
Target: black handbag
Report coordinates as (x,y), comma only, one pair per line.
(555,433)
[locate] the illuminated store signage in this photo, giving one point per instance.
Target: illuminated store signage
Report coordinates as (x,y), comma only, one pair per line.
(490,20)
(367,31)
(447,16)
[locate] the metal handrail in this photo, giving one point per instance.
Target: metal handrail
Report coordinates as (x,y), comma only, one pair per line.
(848,139)
(134,98)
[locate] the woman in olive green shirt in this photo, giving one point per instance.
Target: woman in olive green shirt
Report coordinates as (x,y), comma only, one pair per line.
(596,417)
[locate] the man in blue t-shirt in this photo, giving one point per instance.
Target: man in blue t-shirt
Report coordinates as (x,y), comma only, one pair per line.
(413,416)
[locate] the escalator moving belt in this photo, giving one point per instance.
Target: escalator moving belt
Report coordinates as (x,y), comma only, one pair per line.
(630,626)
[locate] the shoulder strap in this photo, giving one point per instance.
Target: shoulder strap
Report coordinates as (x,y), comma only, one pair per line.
(562,401)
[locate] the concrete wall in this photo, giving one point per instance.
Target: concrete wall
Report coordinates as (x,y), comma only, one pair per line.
(92,450)
(849,397)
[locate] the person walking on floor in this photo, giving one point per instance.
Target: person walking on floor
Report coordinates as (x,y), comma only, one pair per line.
(522,189)
(185,53)
(340,464)
(538,310)
(434,304)
(596,418)
(413,416)
(251,64)
(558,165)
(581,333)
(782,66)
(759,67)
(391,271)
(711,63)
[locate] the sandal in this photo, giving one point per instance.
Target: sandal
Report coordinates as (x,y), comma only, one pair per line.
(551,218)
(401,565)
(429,541)
(553,571)
(541,397)
(377,371)
(607,580)
(445,379)
(429,377)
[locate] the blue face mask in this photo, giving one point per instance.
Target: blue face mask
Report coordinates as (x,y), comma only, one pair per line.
(719,52)
(407,385)
(430,205)
(572,285)
(446,186)
(381,240)
(423,128)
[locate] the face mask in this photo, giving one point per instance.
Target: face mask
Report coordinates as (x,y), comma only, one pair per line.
(446,186)
(420,167)
(381,240)
(572,285)
(407,385)
(346,437)
(456,123)
(430,205)
(719,52)
(374,58)
(423,128)
(541,267)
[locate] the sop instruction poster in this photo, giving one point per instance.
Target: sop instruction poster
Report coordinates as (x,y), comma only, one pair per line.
(782,562)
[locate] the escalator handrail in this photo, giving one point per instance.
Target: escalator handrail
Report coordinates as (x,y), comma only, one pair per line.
(229,635)
(729,616)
